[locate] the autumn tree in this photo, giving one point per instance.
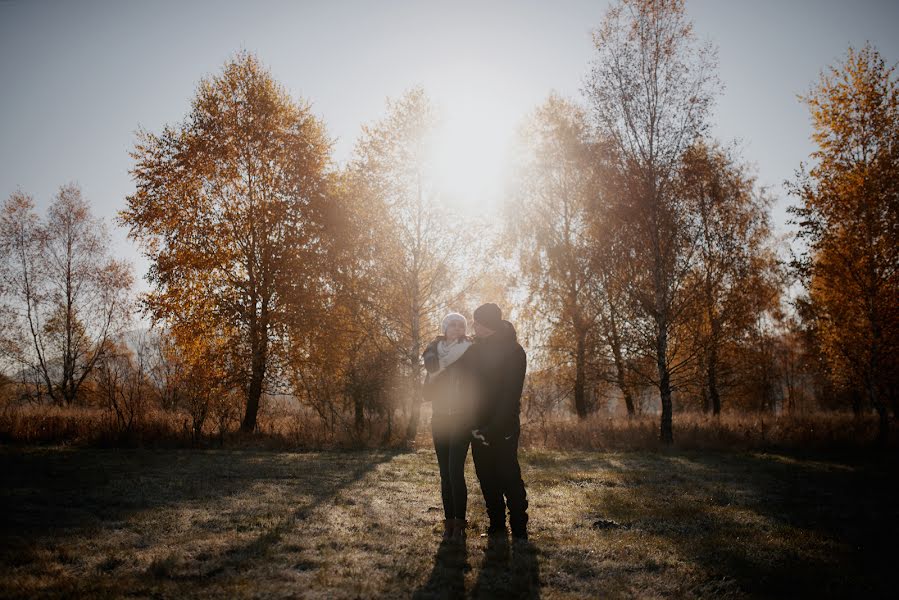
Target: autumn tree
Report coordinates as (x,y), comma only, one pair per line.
(416,243)
(66,296)
(550,212)
(207,389)
(735,275)
(616,334)
(651,87)
(344,367)
(231,208)
(345,371)
(848,219)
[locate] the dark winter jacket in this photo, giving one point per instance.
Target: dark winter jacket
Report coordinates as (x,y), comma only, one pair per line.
(497,366)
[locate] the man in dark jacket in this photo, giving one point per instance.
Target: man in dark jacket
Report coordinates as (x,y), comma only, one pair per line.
(498,364)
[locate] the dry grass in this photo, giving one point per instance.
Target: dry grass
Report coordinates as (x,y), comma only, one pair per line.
(96,428)
(289,430)
(245,523)
(816,431)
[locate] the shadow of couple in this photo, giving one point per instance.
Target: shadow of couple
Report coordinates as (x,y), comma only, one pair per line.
(507,570)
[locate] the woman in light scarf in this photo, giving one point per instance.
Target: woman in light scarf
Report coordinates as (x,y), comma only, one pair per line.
(448,390)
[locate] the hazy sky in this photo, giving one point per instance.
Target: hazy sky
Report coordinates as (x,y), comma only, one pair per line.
(77,78)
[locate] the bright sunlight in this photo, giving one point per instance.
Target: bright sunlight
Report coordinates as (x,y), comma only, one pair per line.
(472,149)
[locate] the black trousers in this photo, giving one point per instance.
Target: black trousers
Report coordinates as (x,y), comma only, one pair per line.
(451,444)
(498,472)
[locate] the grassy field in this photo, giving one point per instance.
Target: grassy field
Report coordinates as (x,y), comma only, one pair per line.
(232,524)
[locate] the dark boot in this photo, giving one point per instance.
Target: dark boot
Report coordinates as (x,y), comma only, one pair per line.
(495,530)
(459,529)
(448,526)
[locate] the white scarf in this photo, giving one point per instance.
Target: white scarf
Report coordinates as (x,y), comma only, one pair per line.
(449,352)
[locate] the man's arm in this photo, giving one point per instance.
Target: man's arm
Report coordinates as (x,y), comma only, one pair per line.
(508,401)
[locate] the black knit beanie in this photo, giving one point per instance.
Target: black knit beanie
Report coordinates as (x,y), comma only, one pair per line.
(489,315)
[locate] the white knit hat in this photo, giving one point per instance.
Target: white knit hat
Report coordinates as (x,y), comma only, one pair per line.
(449,319)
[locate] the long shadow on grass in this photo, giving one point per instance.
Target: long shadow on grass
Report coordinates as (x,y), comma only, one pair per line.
(508,571)
(447,578)
(50,495)
(777,526)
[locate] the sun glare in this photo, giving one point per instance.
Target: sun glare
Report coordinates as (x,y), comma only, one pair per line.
(472,150)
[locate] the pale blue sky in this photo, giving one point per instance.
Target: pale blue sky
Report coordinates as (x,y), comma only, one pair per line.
(78,78)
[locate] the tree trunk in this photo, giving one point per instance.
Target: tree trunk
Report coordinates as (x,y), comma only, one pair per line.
(359,409)
(580,378)
(712,371)
(259,348)
(661,309)
(620,370)
(624,387)
(665,430)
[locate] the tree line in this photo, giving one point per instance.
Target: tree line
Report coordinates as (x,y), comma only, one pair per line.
(635,251)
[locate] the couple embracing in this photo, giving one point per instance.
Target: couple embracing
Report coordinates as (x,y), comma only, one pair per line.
(474,385)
